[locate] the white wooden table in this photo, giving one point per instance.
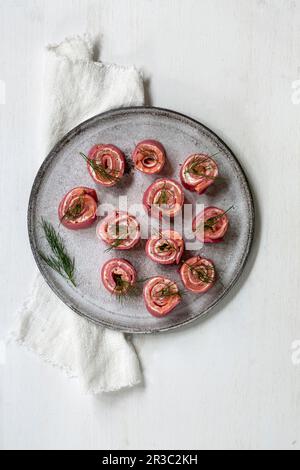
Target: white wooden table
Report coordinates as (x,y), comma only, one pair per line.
(228,382)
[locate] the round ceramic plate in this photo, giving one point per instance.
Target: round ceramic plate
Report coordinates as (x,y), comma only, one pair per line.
(64,169)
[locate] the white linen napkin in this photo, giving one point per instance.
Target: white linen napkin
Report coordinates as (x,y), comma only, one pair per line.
(77,88)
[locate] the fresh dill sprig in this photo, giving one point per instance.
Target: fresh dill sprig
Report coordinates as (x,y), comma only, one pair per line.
(209,223)
(75,209)
(163,197)
(99,169)
(125,289)
(166,246)
(122,234)
(192,168)
(168,291)
(59,260)
(117,242)
(201,273)
(122,286)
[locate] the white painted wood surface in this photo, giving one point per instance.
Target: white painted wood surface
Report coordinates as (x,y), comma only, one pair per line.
(228,382)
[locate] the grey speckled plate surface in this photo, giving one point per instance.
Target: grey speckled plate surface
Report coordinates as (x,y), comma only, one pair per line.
(64,169)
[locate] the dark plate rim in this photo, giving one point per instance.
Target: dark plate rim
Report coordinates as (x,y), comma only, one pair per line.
(34,192)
